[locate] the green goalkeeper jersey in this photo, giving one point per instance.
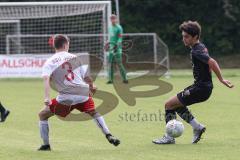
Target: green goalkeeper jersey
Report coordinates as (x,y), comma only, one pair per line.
(116,32)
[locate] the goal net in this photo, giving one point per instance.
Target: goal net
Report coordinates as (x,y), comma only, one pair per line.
(26,27)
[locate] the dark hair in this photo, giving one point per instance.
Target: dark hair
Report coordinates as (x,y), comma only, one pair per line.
(60,41)
(191,27)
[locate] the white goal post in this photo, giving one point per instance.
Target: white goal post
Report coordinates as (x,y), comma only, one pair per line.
(41,18)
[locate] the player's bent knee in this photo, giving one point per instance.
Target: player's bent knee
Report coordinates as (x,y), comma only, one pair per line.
(41,115)
(44,115)
(92,112)
(168,105)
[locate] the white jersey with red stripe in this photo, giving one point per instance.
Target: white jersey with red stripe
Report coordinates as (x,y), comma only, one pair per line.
(67,77)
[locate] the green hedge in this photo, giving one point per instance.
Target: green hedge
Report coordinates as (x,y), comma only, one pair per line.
(220,20)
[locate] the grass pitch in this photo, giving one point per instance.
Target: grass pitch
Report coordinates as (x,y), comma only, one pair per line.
(19,135)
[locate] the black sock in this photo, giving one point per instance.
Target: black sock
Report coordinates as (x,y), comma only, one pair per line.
(185,114)
(2,109)
(170,115)
(108,135)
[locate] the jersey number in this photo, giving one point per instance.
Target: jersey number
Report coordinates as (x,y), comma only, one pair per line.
(70,75)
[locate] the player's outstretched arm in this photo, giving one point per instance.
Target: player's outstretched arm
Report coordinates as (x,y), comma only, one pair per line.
(47,99)
(216,69)
(120,38)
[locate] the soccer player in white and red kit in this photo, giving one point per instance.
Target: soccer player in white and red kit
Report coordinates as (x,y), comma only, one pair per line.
(68,99)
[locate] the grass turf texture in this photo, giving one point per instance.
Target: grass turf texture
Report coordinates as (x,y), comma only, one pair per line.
(19,135)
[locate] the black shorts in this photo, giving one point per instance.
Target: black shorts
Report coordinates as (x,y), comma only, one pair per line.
(194,94)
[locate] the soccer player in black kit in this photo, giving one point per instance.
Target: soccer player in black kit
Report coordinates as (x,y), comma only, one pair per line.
(200,90)
(4,113)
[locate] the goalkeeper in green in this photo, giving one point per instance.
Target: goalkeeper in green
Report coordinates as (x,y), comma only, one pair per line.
(115,50)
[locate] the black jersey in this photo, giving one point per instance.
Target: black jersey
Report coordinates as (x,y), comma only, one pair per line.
(201,71)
